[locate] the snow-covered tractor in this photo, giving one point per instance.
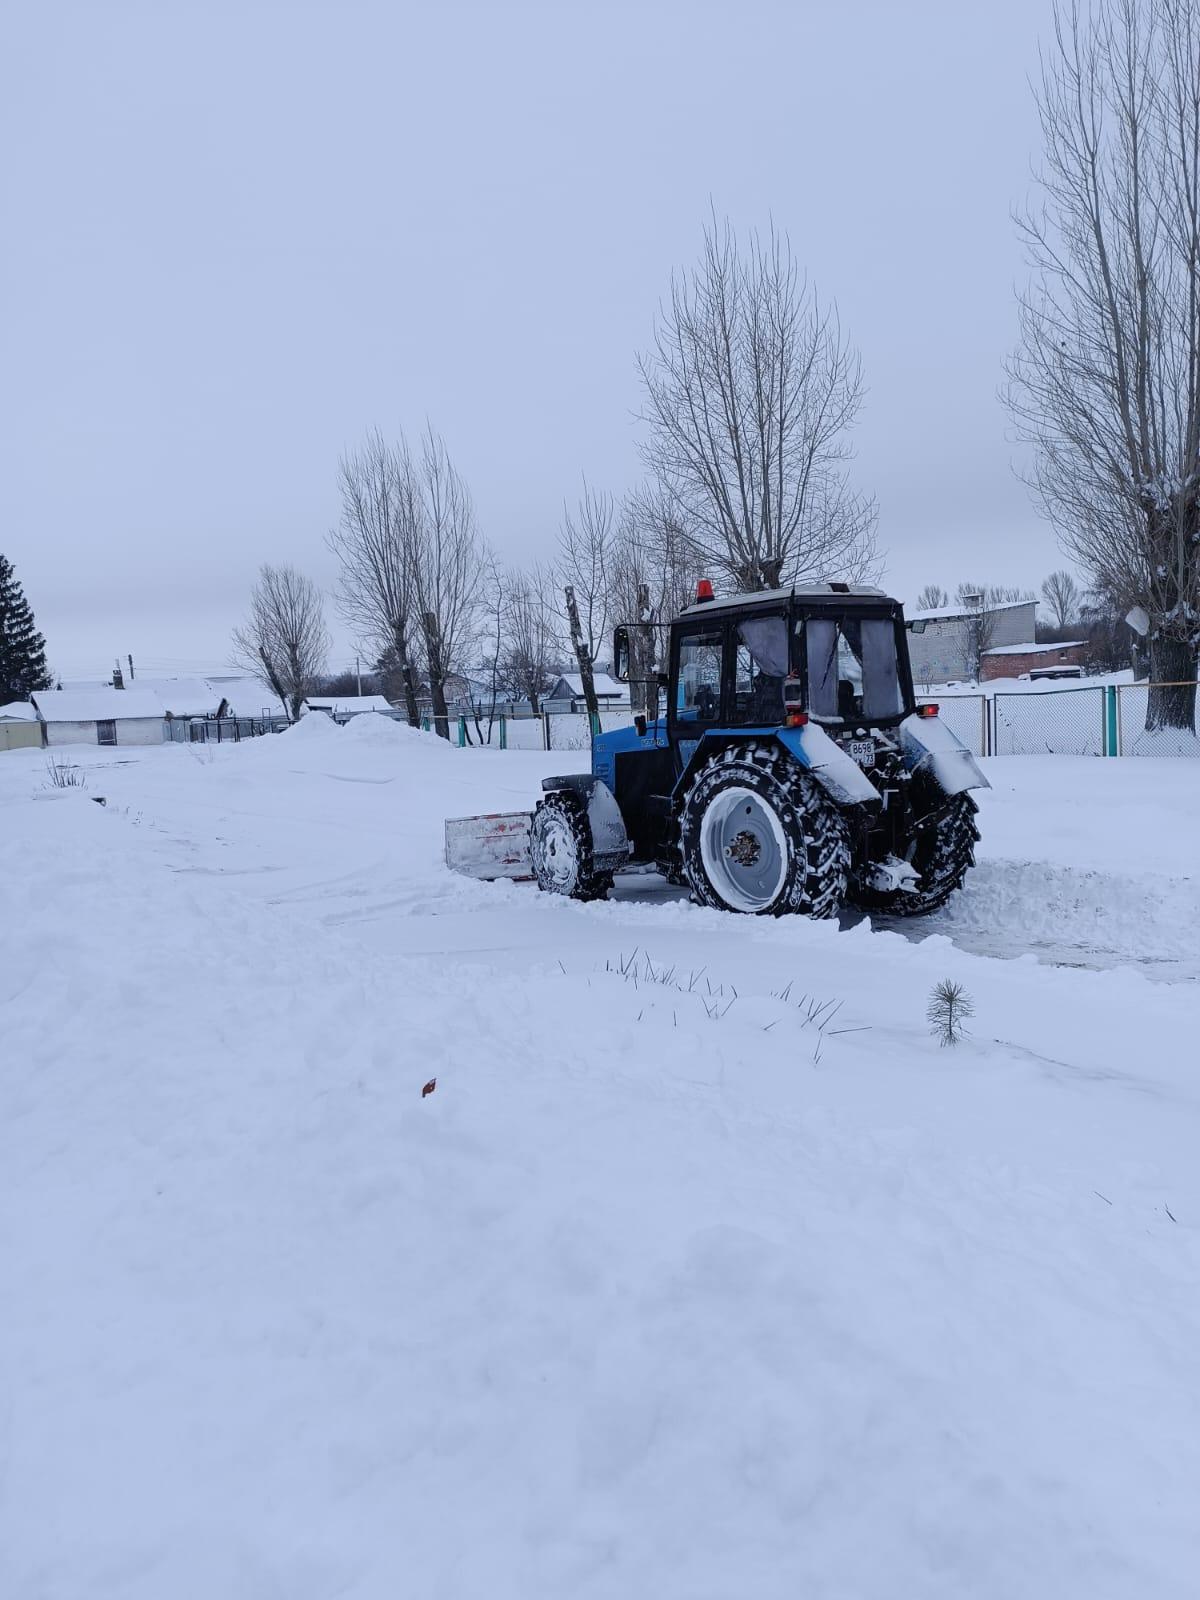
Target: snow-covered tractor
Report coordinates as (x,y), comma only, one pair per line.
(793,769)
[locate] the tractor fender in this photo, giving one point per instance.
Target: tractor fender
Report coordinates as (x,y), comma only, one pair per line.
(610,841)
(842,779)
(928,745)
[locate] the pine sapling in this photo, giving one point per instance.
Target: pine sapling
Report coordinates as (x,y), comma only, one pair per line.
(948,1010)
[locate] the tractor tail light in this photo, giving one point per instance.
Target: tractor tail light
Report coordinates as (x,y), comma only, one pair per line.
(927,710)
(794,714)
(704,590)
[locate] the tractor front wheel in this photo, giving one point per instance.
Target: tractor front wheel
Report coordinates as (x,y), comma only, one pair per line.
(760,836)
(560,848)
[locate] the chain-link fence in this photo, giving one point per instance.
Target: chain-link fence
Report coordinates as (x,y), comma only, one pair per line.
(543,730)
(1084,720)
(966,715)
(1061,722)
(1133,707)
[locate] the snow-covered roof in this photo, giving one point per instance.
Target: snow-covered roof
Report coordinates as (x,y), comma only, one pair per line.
(184,697)
(247,697)
(1034,649)
(956,612)
(98,705)
(605,685)
(18,711)
(348,705)
(764,597)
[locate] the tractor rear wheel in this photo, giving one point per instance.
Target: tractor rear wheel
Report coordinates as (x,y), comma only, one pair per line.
(943,854)
(560,848)
(759,835)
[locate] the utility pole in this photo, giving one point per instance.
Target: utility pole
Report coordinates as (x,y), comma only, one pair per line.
(358,675)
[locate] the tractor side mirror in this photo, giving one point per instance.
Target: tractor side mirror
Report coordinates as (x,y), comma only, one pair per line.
(621,654)
(916,626)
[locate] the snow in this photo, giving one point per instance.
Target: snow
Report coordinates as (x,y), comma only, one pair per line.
(662,1292)
(97,705)
(1034,649)
(958,611)
(183,697)
(18,711)
(247,696)
(972,691)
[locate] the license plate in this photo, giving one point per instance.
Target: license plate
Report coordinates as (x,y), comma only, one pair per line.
(862,751)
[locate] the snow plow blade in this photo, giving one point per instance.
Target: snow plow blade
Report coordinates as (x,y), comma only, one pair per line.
(494,846)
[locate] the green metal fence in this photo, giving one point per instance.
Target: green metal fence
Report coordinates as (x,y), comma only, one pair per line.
(1083,720)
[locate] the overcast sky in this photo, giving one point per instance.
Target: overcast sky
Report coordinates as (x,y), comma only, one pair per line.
(238,236)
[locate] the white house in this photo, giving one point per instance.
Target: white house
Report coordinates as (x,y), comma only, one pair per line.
(948,647)
(567,693)
(100,716)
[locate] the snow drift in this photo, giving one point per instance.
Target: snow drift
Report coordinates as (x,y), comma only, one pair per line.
(672,1287)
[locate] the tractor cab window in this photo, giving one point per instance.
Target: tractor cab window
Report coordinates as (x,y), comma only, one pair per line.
(853,675)
(698,696)
(760,666)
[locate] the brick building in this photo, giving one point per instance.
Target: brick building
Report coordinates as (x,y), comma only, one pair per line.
(1036,660)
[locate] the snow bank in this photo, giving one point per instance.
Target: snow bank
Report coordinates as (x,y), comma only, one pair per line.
(386,733)
(311,727)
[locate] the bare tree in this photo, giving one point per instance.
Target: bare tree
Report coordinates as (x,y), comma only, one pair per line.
(284,639)
(492,609)
(1106,380)
(375,542)
(654,569)
(585,548)
(1061,594)
(931,598)
(978,626)
(980,602)
(585,542)
(751,389)
(447,570)
(532,646)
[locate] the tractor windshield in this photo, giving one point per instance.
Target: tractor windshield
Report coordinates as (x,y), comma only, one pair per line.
(853,674)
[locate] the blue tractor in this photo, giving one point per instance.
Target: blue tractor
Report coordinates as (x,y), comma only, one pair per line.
(793,769)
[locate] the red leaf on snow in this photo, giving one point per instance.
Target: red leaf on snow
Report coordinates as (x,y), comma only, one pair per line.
(429,1088)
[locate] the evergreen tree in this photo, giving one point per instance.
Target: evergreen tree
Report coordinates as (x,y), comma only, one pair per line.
(22,648)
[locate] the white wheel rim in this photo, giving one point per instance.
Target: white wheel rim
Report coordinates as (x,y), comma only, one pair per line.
(744,849)
(560,862)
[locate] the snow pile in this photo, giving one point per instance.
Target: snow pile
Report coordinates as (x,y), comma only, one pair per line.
(674,1286)
(386,733)
(315,725)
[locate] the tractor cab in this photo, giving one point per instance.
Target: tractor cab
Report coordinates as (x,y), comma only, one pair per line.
(789,769)
(830,654)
